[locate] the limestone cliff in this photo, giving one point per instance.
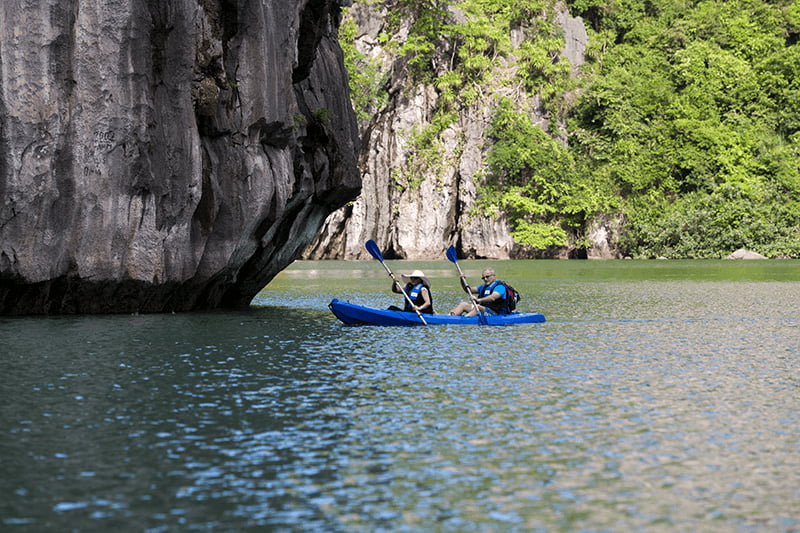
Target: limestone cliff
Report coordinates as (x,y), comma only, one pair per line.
(419,216)
(166,155)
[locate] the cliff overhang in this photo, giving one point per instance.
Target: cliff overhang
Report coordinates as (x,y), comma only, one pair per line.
(162,156)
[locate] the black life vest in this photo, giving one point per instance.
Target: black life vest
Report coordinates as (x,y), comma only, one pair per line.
(414,293)
(500,306)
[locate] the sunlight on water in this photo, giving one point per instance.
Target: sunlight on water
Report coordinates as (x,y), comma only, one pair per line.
(651,400)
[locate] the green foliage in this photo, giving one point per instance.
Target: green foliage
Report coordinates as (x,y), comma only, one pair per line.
(692,112)
(323,115)
(428,19)
(479,57)
(711,225)
(538,234)
(477,47)
(535,181)
(367,84)
(685,118)
(425,156)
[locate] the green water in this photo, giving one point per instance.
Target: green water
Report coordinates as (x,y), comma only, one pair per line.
(658,396)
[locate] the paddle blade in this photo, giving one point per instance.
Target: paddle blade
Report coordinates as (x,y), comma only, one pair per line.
(373,250)
(451,254)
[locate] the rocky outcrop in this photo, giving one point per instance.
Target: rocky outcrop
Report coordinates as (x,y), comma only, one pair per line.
(741,253)
(417,216)
(166,155)
(415,219)
(604,233)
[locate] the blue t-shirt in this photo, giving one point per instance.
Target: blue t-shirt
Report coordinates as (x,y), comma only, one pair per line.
(498,306)
(496,286)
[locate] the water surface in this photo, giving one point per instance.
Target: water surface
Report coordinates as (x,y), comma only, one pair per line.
(658,396)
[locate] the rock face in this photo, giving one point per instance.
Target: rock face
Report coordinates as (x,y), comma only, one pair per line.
(741,253)
(419,216)
(420,220)
(160,155)
(604,233)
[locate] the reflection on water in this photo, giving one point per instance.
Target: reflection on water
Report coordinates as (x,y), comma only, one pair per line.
(642,404)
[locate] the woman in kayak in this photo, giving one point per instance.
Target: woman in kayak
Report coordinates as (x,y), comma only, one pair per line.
(418,290)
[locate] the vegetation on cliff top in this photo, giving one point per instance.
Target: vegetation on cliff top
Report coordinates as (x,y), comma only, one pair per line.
(684,122)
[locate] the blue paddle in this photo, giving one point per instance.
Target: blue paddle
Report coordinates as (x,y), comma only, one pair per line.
(453,256)
(375,252)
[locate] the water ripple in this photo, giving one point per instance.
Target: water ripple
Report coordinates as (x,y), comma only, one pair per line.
(636,407)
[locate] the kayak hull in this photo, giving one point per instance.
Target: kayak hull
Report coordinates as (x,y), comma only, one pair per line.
(359,315)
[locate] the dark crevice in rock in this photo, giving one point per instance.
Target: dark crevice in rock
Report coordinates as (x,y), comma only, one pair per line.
(313,22)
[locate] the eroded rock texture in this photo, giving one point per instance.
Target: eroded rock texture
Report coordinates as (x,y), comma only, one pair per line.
(166,155)
(415,211)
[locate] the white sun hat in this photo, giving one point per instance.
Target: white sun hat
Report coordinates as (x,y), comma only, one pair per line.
(417,274)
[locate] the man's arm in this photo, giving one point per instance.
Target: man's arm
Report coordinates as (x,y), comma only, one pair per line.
(467,287)
(490,298)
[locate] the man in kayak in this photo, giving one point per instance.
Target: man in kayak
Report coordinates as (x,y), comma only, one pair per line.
(418,290)
(492,297)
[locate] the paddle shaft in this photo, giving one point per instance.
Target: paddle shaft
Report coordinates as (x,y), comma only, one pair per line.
(375,252)
(451,255)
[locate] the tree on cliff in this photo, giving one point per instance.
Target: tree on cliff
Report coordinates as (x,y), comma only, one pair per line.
(683,122)
(691,111)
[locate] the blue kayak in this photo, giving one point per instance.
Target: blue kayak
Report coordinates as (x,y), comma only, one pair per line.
(356,315)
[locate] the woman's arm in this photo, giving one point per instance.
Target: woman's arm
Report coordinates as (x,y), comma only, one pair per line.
(426,296)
